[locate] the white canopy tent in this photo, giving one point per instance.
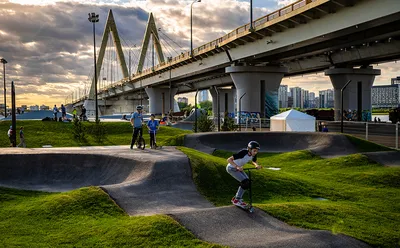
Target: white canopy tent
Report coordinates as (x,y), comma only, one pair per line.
(293,121)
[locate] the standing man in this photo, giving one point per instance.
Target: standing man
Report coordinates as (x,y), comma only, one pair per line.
(63,111)
(55,111)
(136,122)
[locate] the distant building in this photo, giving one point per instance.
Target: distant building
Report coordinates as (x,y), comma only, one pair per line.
(183,100)
(44,107)
(283,96)
(386,96)
(202,96)
(311,100)
(395,80)
(306,98)
(34,108)
(295,93)
(316,102)
(326,98)
(290,102)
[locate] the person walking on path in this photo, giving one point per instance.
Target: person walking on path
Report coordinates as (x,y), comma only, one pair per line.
(136,122)
(22,138)
(235,169)
(153,127)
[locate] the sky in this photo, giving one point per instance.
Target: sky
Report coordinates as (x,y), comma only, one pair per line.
(49,44)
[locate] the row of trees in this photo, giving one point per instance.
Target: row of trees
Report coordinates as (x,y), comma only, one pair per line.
(206,105)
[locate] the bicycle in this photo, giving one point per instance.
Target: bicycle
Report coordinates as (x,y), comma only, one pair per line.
(140,143)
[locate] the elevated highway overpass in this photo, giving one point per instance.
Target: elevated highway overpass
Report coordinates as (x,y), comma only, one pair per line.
(342,37)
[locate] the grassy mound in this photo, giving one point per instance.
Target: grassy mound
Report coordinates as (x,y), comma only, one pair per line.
(363,196)
(82,218)
(59,134)
(366,146)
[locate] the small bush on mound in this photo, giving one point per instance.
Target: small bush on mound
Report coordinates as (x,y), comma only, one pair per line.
(79,131)
(228,123)
(98,131)
(204,124)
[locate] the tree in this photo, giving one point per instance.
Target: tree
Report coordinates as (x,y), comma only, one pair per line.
(206,105)
(182,105)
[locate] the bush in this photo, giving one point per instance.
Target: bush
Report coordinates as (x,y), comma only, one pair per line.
(204,124)
(79,131)
(229,123)
(98,131)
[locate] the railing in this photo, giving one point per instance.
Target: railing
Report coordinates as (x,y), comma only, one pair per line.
(382,133)
(226,38)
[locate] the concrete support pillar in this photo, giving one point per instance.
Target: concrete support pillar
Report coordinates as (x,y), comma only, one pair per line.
(261,85)
(226,101)
(361,84)
(159,100)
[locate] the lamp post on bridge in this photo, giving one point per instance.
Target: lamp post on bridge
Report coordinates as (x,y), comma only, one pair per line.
(191,26)
(93,18)
(4,62)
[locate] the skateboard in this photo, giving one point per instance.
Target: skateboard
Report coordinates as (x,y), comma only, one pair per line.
(247,208)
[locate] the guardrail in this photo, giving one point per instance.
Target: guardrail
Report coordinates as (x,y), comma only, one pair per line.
(382,133)
(240,31)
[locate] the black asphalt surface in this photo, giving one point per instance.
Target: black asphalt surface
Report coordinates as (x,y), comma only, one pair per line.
(234,227)
(323,144)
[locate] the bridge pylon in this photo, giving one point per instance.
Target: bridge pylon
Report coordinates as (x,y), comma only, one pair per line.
(110,27)
(151,29)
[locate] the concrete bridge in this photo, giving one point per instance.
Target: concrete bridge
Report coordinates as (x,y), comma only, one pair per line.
(341,37)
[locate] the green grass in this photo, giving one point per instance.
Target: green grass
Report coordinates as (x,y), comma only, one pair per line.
(366,146)
(86,217)
(363,196)
(59,134)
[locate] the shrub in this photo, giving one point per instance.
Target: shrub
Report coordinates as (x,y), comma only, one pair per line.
(98,131)
(79,131)
(229,123)
(204,124)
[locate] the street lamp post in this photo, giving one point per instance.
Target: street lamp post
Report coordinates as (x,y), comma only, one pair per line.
(191,27)
(4,62)
(93,18)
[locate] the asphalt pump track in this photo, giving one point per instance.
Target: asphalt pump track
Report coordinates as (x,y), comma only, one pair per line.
(155,182)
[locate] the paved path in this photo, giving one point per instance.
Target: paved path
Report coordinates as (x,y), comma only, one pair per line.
(234,227)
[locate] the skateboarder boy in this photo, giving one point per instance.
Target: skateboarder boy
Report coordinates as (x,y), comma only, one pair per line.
(235,169)
(153,127)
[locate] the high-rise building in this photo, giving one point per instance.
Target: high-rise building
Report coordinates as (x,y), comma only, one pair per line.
(296,96)
(283,96)
(326,98)
(311,100)
(202,96)
(386,96)
(183,100)
(306,99)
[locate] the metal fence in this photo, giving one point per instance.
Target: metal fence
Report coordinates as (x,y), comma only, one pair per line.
(386,134)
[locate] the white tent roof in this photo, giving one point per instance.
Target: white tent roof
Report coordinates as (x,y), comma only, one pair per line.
(292,115)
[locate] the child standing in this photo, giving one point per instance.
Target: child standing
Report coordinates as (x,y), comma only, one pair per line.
(153,127)
(10,134)
(235,169)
